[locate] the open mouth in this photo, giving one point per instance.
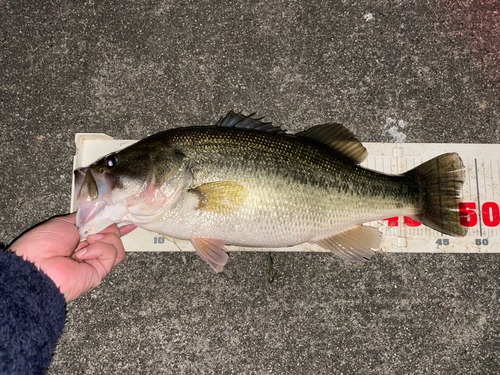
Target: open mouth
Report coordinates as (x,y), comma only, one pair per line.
(85,186)
(93,191)
(90,185)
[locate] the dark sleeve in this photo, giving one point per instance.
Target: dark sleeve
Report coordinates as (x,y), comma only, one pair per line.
(32,315)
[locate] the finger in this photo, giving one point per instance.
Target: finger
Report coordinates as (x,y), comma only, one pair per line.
(111,239)
(114,240)
(123,231)
(127,229)
(113,228)
(81,245)
(100,255)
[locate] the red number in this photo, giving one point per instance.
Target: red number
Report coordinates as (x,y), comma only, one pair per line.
(468,217)
(491,214)
(392,221)
(410,222)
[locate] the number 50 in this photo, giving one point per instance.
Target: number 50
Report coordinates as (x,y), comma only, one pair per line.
(490,213)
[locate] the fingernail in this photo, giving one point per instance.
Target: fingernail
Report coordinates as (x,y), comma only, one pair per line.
(96,237)
(81,253)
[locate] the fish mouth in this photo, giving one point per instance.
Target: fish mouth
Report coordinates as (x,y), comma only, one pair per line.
(90,185)
(93,192)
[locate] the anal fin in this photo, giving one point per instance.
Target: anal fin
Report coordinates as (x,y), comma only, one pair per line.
(355,244)
(211,251)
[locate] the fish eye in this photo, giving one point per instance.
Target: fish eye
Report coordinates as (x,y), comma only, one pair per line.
(111,160)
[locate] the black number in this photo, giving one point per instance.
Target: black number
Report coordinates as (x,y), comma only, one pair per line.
(444,242)
(159,240)
(483,241)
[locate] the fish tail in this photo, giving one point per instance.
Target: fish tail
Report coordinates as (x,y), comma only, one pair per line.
(440,181)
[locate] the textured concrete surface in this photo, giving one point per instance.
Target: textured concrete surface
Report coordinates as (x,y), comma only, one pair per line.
(132,68)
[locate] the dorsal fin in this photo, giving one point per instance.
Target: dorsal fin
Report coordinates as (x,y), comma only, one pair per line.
(237,120)
(338,138)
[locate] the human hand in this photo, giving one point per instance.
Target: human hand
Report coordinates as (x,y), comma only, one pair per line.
(75,267)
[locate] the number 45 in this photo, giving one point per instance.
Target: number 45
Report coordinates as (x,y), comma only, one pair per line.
(442,242)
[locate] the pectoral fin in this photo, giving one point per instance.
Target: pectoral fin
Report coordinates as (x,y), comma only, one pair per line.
(211,251)
(355,244)
(220,196)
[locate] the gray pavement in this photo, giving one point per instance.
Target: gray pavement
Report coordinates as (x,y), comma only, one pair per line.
(132,68)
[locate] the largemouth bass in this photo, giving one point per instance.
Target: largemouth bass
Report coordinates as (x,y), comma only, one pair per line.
(245,182)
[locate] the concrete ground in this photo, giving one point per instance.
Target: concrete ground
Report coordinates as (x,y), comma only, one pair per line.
(132,68)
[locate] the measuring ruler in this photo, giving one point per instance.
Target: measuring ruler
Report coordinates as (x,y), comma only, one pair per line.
(479,210)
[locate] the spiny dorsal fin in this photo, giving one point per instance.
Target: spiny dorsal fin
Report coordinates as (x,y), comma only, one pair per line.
(338,138)
(237,120)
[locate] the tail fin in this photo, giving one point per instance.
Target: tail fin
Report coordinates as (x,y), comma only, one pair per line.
(440,181)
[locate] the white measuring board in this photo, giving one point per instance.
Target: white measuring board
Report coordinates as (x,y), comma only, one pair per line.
(479,210)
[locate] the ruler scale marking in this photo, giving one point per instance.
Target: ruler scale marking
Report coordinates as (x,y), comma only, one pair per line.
(478,201)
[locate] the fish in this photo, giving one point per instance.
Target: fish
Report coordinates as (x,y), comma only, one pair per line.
(246,182)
